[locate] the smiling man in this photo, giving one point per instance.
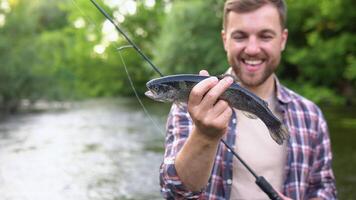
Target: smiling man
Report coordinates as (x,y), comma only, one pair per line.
(253,42)
(198,166)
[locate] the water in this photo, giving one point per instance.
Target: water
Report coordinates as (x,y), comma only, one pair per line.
(95,150)
(342,126)
(110,150)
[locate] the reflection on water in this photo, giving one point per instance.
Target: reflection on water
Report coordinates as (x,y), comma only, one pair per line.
(342,125)
(110,150)
(94,150)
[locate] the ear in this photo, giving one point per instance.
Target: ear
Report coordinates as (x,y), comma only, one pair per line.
(223,37)
(284,39)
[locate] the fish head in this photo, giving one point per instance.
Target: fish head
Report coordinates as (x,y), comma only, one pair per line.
(162,92)
(173,89)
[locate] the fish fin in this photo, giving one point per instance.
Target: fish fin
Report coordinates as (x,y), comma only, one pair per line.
(249,115)
(279,134)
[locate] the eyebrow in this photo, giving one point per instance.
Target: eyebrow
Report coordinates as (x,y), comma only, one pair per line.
(237,32)
(269,31)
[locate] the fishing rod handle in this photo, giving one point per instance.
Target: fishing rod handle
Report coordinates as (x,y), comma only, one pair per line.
(267,188)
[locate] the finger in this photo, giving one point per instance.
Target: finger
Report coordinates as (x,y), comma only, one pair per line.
(220,107)
(203,73)
(214,93)
(224,117)
(200,89)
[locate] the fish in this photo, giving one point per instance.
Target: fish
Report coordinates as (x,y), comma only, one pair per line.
(176,89)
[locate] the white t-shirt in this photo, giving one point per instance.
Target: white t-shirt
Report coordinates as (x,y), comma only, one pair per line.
(256,147)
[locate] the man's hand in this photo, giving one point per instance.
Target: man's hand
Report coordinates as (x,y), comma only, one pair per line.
(211,118)
(210,115)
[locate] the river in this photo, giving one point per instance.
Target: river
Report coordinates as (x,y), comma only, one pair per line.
(109,149)
(97,150)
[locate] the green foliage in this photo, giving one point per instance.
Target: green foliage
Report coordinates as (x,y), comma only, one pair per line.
(321,48)
(318,94)
(19,78)
(190,39)
(47,51)
(350,72)
(47,48)
(96,74)
(320,54)
(142,28)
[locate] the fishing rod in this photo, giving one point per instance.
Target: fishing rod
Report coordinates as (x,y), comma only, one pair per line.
(126,37)
(264,185)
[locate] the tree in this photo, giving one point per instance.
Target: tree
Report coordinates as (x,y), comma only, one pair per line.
(319,61)
(18,78)
(190,38)
(320,56)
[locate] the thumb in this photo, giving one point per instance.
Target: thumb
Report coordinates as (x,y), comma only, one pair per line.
(203,73)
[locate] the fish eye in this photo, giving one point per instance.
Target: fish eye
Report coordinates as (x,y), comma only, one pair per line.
(155,88)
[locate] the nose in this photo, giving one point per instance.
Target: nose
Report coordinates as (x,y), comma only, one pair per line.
(252,46)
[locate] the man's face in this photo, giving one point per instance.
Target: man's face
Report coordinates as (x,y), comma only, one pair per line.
(254,42)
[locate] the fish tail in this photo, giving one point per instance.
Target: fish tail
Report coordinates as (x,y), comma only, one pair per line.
(279,134)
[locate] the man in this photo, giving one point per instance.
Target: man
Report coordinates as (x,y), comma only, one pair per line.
(198,166)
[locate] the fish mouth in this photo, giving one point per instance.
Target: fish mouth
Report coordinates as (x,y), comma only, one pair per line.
(150,94)
(154,96)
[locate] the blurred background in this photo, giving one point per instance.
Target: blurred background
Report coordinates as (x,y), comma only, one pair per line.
(70,126)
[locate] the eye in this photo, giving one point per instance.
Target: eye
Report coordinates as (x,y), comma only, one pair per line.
(239,37)
(267,35)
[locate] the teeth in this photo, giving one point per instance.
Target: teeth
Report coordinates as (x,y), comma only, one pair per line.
(253,62)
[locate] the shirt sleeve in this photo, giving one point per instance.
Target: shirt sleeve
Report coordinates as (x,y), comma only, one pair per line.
(178,127)
(322,181)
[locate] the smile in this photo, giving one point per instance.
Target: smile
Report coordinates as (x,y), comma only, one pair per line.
(252,62)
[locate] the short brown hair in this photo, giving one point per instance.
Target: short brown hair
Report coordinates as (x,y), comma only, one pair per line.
(243,6)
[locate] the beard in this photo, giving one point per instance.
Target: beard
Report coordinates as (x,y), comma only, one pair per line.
(252,80)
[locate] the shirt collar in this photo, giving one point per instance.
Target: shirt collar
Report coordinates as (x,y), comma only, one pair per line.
(281,93)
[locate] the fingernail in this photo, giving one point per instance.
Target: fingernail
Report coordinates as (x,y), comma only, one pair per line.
(215,79)
(203,72)
(229,80)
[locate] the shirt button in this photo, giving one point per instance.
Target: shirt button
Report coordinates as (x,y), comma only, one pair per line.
(229,181)
(234,121)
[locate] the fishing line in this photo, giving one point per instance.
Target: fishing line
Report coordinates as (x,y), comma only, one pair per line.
(86,16)
(126,70)
(126,37)
(135,91)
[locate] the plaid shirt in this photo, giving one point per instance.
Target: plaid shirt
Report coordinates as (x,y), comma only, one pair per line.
(308,168)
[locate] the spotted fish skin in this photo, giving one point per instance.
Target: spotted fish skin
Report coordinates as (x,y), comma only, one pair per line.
(176,89)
